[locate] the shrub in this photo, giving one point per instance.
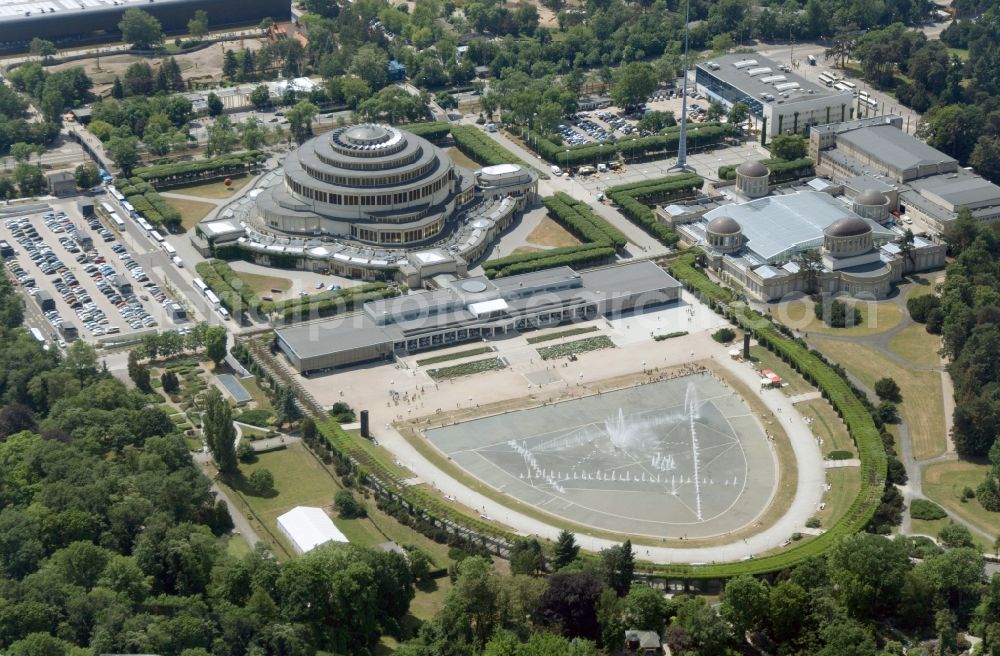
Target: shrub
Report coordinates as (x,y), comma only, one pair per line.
(261,417)
(837,314)
(261,482)
(920,307)
(888,390)
(724,335)
(840,455)
(245,452)
(886,413)
(343,413)
(347,506)
(926,510)
(168,380)
(813,522)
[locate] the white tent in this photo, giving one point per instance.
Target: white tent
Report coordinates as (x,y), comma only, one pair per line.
(307,528)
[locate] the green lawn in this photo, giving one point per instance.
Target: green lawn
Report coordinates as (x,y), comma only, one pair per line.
(876,317)
(216,190)
(827,425)
(923,405)
(846,482)
(236,546)
(466,368)
(916,345)
(445,357)
(943,483)
(576,346)
(562,333)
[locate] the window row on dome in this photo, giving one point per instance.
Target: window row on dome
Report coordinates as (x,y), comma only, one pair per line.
(397,236)
(370,181)
(354,164)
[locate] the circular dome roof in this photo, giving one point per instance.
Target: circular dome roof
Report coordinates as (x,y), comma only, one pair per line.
(366,134)
(871,197)
(724,225)
(752,169)
(474,286)
(850,226)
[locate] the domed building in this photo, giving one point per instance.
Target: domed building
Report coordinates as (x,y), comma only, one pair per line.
(724,235)
(871,204)
(751,179)
(373,184)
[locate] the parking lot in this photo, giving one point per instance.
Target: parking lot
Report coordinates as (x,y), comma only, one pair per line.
(79,279)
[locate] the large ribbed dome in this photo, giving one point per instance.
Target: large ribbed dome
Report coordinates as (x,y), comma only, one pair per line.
(871,197)
(723,225)
(850,226)
(753,169)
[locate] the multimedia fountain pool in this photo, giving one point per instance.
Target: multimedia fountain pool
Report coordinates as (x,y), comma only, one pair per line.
(677,458)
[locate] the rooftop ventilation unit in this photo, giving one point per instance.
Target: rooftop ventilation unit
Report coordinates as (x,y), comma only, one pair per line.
(744,63)
(759,71)
(712,65)
(786,86)
(773,78)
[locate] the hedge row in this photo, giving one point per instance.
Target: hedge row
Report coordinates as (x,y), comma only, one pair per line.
(633,201)
(234,294)
(178,172)
(337,302)
(574,256)
(475,144)
(841,396)
(781,170)
(148,202)
(580,220)
(664,143)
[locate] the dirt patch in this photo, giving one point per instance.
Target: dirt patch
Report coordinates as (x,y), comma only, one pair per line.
(192,211)
(551,235)
(216,190)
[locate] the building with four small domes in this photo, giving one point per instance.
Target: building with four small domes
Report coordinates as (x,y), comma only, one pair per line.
(760,244)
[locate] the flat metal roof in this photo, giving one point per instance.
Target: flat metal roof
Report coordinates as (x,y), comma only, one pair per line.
(332,335)
(777,227)
(960,190)
(632,278)
(885,143)
(235,388)
(750,79)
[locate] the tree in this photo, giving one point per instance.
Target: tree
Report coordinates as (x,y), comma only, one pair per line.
(474,607)
(21,152)
(170,383)
(371,64)
(198,25)
(220,434)
(526,557)
(739,113)
(124,152)
(570,604)
(81,360)
(869,571)
(42,48)
(745,604)
(30,179)
(221,136)
(697,629)
(140,29)
(215,343)
(788,146)
(287,409)
(566,550)
(618,564)
(985,157)
(716,110)
(251,134)
(15,418)
(117,89)
(645,608)
(888,390)
(260,97)
(300,119)
(347,506)
(633,83)
(231,66)
(955,535)
(87,175)
(810,263)
(215,106)
(261,482)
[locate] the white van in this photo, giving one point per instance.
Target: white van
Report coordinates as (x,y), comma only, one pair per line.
(602,168)
(224,313)
(556,171)
(178,262)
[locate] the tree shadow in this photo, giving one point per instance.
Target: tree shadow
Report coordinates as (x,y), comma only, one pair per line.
(427,585)
(241,484)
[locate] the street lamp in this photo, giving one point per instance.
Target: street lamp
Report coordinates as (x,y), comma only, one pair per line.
(566,163)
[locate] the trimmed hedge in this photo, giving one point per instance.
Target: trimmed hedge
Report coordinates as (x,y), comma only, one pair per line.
(841,396)
(926,510)
(633,201)
(183,172)
(781,170)
(571,256)
(580,220)
(474,143)
(433,131)
(148,202)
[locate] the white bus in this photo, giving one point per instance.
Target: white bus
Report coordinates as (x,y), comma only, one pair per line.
(212,298)
(157,236)
(863,95)
(871,102)
(37,334)
(117,220)
(117,194)
(171,251)
(826,79)
(107,207)
(200,284)
(850,85)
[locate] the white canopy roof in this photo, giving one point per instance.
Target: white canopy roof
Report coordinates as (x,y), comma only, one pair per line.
(308,528)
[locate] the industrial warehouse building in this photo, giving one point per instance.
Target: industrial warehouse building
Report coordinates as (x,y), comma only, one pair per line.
(462,310)
(920,181)
(783,101)
(68,22)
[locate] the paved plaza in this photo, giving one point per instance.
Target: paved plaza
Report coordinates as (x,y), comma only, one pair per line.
(677,458)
